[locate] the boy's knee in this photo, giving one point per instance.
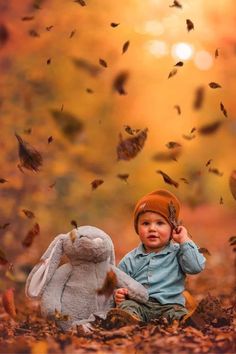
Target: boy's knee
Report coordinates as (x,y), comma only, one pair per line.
(128,304)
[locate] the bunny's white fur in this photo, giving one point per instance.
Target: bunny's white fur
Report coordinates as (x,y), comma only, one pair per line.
(71,289)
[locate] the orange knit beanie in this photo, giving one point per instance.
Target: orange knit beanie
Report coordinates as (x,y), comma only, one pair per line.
(157,201)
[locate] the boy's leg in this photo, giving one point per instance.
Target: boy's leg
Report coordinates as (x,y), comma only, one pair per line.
(134,308)
(169,311)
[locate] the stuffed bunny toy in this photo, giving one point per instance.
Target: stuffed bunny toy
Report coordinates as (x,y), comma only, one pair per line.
(70,291)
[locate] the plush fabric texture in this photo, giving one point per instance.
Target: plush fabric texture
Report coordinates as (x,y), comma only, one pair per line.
(158,202)
(70,291)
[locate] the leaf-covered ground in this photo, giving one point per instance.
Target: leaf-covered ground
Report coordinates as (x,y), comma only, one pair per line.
(210,330)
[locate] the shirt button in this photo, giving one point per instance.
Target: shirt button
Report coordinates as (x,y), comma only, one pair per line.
(149,274)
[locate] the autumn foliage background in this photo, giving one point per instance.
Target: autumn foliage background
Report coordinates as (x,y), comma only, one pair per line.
(50,73)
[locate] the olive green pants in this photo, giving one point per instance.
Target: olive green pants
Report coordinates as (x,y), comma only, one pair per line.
(153,310)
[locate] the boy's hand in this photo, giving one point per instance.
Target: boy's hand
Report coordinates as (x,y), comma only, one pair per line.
(120,295)
(180,235)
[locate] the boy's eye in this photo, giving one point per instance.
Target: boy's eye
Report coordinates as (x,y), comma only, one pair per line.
(160,222)
(145,223)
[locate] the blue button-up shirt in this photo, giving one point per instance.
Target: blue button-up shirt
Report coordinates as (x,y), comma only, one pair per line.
(163,273)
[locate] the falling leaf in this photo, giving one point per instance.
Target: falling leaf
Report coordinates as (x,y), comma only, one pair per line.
(210,128)
(4,35)
(204,251)
(4,225)
(72,33)
(166,156)
(28,131)
(27,18)
(193,130)
(89,90)
(176,4)
(125,47)
(28,213)
(50,139)
(109,285)
(33,33)
(191,303)
(88,67)
(180,63)
(172,73)
(9,303)
(208,162)
(172,145)
(189,137)
(27,242)
(172,218)
(103,63)
(130,130)
(3,180)
(57,314)
(81,2)
(184,180)
(48,61)
(178,109)
(232,183)
(69,124)
(119,82)
(190,25)
(74,223)
(168,179)
(52,185)
(3,258)
(62,107)
(215,171)
(48,28)
(114,24)
(73,235)
(123,176)
(214,85)
(199,97)
(222,108)
(216,53)
(30,158)
(129,148)
(96,183)
(221,200)
(232,240)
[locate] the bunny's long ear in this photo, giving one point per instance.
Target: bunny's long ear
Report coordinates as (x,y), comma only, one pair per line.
(42,273)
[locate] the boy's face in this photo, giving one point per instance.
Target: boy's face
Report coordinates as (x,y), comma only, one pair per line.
(154,231)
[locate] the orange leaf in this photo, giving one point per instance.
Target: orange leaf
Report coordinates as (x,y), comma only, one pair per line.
(109,284)
(9,303)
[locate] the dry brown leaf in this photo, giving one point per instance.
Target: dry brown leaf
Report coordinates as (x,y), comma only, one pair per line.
(173,144)
(191,303)
(215,171)
(178,109)
(96,183)
(214,85)
(74,223)
(9,302)
(130,130)
(167,179)
(171,155)
(123,176)
(222,108)
(119,82)
(199,97)
(190,25)
(109,285)
(81,2)
(3,258)
(49,60)
(60,317)
(211,128)
(208,162)
(27,242)
(129,148)
(184,180)
(73,236)
(3,180)
(88,67)
(114,24)
(232,183)
(172,73)
(180,63)
(232,240)
(50,139)
(103,63)
(30,158)
(221,200)
(4,35)
(28,213)
(27,18)
(204,251)
(176,4)
(216,53)
(125,47)
(72,34)
(48,28)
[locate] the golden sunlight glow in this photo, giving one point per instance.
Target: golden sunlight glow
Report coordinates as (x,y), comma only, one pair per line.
(182,51)
(157,48)
(203,60)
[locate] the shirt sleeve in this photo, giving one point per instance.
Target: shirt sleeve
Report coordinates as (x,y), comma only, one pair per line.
(190,259)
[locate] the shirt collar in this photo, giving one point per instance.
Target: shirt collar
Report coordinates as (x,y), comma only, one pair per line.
(140,250)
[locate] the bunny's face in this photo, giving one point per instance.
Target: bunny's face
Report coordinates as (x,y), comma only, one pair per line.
(88,243)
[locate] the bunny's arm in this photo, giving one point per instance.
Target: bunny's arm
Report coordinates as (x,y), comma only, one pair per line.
(136,290)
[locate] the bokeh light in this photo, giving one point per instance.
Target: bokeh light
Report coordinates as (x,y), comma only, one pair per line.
(203,60)
(183,51)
